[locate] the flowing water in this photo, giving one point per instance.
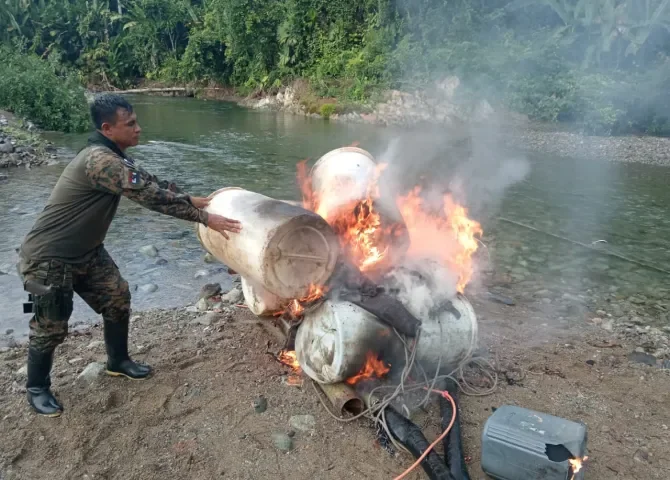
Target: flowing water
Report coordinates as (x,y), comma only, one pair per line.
(204,146)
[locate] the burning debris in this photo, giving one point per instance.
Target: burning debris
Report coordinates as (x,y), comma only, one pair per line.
(576,465)
(369,292)
(373,368)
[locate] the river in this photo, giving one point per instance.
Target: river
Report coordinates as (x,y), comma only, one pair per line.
(205,145)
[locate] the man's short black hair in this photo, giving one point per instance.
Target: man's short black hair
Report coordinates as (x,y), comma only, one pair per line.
(105,106)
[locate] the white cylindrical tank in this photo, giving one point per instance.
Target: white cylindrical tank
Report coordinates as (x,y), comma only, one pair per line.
(453,332)
(282,247)
(259,300)
(342,177)
(341,180)
(333,340)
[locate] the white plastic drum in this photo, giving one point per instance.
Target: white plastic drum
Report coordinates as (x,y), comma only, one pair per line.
(259,300)
(333,340)
(284,248)
(342,177)
(453,332)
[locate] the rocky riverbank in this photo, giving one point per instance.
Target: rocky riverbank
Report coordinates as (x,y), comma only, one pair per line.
(220,405)
(441,106)
(21,144)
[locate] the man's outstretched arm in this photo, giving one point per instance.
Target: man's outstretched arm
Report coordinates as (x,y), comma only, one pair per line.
(164,184)
(107,172)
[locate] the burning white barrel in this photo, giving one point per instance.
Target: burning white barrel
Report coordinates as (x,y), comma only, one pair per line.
(342,178)
(283,248)
(333,342)
(345,191)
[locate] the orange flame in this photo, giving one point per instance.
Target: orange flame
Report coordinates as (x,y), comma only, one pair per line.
(576,464)
(449,236)
(373,368)
(296,306)
(289,358)
(361,235)
(358,229)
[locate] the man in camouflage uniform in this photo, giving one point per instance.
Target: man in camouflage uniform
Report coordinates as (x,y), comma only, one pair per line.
(64,252)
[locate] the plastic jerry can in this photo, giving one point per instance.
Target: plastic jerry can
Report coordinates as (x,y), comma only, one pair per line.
(521,444)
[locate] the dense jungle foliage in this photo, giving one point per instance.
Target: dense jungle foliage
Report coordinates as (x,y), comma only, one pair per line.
(602,64)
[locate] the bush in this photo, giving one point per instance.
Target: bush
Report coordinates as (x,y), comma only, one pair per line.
(327,109)
(31,88)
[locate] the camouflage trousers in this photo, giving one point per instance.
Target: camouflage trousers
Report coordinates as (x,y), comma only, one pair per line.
(98,282)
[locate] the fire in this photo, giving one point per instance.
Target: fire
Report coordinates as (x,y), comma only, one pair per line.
(449,236)
(289,358)
(359,229)
(576,464)
(295,306)
(373,368)
(361,235)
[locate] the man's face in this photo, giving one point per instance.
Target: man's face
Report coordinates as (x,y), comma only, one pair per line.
(125,131)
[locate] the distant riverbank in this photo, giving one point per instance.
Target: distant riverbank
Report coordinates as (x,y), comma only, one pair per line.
(440,106)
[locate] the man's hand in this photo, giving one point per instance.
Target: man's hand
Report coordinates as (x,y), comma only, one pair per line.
(223,225)
(200,202)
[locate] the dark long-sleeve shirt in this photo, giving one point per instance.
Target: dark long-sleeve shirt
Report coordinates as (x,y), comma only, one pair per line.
(84,201)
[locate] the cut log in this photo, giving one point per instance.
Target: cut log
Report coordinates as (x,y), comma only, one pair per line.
(186,91)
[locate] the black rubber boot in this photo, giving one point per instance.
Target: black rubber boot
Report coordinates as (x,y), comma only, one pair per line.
(39,384)
(118,362)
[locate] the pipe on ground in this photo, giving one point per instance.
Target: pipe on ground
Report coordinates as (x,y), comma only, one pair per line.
(453,446)
(343,398)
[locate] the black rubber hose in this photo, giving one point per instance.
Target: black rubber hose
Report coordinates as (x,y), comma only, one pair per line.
(453,447)
(411,436)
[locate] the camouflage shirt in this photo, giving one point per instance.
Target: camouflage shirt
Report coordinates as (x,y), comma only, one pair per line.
(83,203)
